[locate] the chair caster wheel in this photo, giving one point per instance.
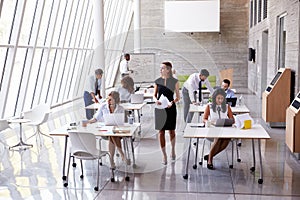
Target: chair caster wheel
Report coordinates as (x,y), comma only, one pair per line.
(200,163)
(260,181)
(96,188)
(230,166)
(194,166)
(127,178)
(112,179)
(74,165)
(186,176)
(100,164)
(239,160)
(64,178)
(65,184)
(239,144)
(252,169)
(81,176)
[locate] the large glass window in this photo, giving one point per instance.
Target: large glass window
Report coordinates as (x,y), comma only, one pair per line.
(46,48)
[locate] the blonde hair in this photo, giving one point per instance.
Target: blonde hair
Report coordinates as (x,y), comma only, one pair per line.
(115,95)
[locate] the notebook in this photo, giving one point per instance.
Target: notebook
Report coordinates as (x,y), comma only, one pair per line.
(223,122)
(231,101)
(114,119)
(137,98)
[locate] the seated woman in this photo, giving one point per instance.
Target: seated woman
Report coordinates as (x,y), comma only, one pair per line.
(111,106)
(217,109)
(126,89)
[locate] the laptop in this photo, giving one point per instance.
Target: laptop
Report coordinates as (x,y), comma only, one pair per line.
(231,101)
(137,98)
(114,119)
(223,122)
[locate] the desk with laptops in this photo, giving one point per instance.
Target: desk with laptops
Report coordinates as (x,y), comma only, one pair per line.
(198,130)
(126,131)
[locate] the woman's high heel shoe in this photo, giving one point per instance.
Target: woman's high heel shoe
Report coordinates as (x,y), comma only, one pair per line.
(210,166)
(205,157)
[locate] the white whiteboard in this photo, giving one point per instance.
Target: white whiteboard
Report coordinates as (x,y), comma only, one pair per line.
(143,66)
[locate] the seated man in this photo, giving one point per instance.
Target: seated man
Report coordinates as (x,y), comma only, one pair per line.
(225,85)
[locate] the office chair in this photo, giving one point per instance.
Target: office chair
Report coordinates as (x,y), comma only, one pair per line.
(84,148)
(37,116)
(211,140)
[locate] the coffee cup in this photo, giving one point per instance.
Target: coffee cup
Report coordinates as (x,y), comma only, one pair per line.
(84,122)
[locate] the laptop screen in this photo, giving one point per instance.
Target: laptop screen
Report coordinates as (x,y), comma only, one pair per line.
(231,101)
(137,98)
(114,119)
(224,122)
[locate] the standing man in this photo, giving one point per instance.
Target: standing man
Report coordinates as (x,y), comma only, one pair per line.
(124,67)
(225,85)
(91,90)
(190,87)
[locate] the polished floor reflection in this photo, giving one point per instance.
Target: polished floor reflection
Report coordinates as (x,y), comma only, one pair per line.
(36,173)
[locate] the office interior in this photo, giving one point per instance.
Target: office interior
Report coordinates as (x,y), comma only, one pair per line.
(49,47)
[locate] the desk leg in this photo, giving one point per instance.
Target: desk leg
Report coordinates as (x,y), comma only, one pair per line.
(196,155)
(127,157)
(139,117)
(253,153)
(260,180)
(232,150)
(132,150)
(187,161)
(64,177)
(139,121)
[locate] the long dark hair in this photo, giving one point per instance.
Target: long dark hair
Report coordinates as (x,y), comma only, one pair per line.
(214,103)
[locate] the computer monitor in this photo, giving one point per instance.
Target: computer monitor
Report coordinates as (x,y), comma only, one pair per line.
(231,101)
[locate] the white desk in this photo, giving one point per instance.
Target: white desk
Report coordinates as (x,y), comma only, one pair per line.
(236,110)
(21,143)
(126,131)
(127,106)
(256,132)
(201,108)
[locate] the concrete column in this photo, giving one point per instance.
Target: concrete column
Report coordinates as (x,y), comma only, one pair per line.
(99,59)
(137,26)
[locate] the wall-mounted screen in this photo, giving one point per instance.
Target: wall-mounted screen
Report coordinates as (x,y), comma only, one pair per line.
(268,89)
(192,16)
(296,104)
(275,78)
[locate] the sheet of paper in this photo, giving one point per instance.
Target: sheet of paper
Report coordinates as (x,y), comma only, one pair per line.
(239,120)
(164,102)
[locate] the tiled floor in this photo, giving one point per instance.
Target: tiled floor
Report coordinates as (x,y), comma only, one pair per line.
(37,173)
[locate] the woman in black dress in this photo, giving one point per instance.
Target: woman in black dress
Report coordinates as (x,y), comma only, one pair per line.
(165,119)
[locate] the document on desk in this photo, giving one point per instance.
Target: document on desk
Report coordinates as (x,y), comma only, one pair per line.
(198,125)
(164,102)
(121,129)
